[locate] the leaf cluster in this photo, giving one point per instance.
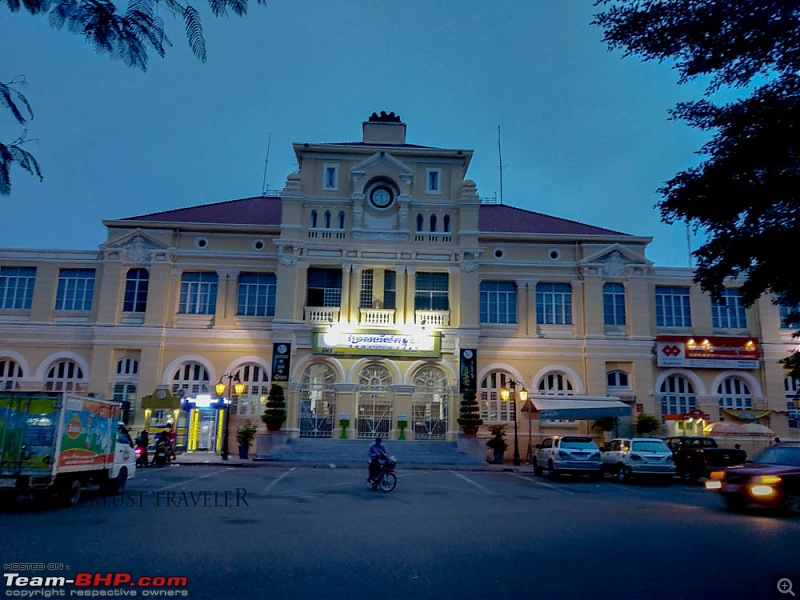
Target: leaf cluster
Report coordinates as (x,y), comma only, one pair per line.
(744,196)
(497,441)
(17,104)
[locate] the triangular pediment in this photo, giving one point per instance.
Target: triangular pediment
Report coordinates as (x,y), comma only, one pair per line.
(134,247)
(615,260)
(381,163)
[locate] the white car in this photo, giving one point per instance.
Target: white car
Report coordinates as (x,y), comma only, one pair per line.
(628,457)
(575,454)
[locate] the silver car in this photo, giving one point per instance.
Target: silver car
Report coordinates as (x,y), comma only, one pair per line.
(628,457)
(575,454)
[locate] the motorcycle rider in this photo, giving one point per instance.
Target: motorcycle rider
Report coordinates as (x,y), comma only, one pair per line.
(377,454)
(142,441)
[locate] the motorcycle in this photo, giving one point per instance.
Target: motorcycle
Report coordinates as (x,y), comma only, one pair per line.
(161,457)
(386,480)
(139,452)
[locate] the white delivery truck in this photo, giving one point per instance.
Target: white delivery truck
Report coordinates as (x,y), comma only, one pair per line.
(59,443)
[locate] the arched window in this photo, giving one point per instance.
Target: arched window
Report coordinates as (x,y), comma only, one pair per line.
(10,374)
(429,404)
(433,223)
(556,383)
(493,409)
(734,394)
(253,400)
(341,219)
(374,402)
(64,376)
(419,222)
(616,380)
(313,222)
(192,378)
(317,394)
(677,395)
(327,219)
(446,223)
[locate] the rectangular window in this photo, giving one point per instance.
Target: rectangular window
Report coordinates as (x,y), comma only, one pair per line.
(330,177)
(389,289)
(729,312)
(367,279)
(614,303)
(16,287)
(324,287)
(137,283)
(434,181)
(431,292)
(75,289)
(784,310)
(198,294)
(498,302)
(554,304)
(256,295)
(672,306)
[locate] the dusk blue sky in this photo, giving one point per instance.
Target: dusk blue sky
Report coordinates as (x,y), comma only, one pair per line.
(585,133)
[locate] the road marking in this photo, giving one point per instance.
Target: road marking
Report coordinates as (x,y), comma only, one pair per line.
(477,485)
(195,479)
(542,483)
(274,483)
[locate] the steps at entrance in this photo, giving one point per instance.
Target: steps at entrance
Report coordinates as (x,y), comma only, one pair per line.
(329,451)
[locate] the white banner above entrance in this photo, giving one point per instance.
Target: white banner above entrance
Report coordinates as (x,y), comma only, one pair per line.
(378,343)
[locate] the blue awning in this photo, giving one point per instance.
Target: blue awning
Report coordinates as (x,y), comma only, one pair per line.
(579,407)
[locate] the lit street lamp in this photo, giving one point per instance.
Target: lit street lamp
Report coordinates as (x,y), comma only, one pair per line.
(505,394)
(238,389)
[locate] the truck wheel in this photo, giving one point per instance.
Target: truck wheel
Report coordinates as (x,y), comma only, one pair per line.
(70,494)
(735,503)
(553,471)
(117,486)
(622,474)
(537,470)
(687,475)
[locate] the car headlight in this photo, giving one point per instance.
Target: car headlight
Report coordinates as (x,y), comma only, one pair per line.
(635,457)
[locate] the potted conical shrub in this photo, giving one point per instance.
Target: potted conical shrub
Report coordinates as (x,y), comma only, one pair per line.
(497,443)
(470,414)
(275,414)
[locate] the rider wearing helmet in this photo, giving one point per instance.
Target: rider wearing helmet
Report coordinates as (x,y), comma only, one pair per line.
(377,454)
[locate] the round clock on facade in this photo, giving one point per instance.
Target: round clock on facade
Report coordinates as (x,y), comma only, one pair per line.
(381,197)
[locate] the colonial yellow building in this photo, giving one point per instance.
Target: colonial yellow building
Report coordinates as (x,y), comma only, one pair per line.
(373,288)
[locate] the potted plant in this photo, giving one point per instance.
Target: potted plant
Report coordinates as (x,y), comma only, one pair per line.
(497,442)
(275,414)
(470,414)
(647,424)
(245,435)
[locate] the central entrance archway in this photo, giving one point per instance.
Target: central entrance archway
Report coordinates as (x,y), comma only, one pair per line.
(374,402)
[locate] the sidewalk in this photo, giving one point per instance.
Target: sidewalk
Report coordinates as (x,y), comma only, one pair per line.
(215,460)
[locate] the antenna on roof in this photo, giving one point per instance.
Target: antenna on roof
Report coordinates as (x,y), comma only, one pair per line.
(266,164)
(500,156)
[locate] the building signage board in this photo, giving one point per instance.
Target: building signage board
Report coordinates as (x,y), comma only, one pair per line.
(468,371)
(707,352)
(281,355)
(378,343)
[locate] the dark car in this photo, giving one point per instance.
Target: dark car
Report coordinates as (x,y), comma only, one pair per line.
(696,457)
(771,479)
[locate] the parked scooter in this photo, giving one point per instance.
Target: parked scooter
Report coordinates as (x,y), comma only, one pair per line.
(141,456)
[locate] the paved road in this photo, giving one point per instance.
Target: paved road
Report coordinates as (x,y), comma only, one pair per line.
(294,532)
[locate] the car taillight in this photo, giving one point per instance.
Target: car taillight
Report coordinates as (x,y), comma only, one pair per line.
(718,475)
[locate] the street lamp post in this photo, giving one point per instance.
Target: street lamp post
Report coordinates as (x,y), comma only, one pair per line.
(236,386)
(505,394)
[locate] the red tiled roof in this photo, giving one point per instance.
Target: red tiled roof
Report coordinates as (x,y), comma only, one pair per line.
(266,210)
(502,218)
(261,210)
